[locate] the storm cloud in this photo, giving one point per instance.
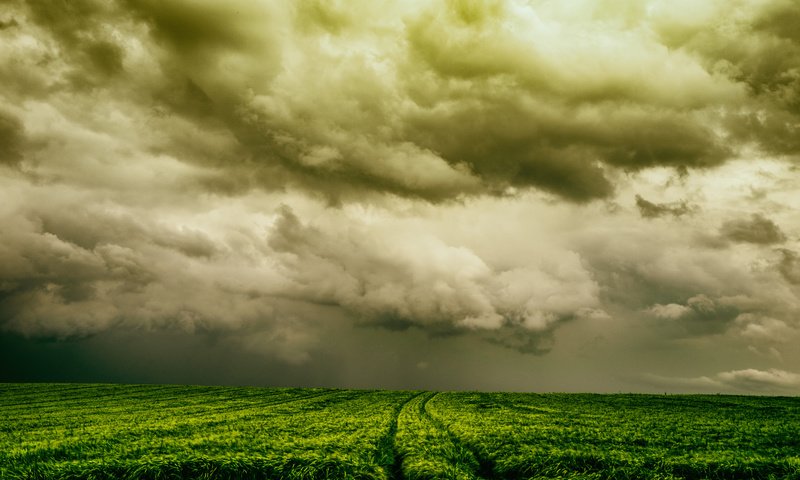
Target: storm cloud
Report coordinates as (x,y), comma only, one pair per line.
(756,229)
(530,183)
(433,101)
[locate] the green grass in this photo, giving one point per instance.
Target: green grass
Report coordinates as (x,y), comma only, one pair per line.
(93,432)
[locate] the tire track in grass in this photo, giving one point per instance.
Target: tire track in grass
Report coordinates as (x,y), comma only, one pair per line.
(485,467)
(389,454)
(428,450)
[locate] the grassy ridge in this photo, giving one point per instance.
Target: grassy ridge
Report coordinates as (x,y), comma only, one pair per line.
(64,431)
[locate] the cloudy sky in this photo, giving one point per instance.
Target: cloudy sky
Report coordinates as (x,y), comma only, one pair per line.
(532,195)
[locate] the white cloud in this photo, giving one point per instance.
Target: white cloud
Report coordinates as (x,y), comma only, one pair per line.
(388,275)
(748,380)
(670,311)
(764,329)
(752,379)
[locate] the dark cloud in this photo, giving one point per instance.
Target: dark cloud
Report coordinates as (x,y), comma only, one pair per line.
(649,209)
(507,144)
(105,56)
(8,23)
(439,164)
(207,27)
(771,70)
(760,49)
(780,18)
(757,229)
(11,138)
(789,265)
(534,122)
(493,107)
(522,341)
(84,39)
(90,228)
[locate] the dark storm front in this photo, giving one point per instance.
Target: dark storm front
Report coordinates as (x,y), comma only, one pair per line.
(60,431)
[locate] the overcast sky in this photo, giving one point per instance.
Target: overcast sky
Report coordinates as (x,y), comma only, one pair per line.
(503,195)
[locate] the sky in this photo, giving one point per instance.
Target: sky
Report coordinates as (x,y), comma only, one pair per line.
(523,195)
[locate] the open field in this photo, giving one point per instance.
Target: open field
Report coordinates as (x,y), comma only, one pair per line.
(78,431)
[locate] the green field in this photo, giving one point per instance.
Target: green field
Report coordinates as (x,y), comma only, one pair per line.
(79,431)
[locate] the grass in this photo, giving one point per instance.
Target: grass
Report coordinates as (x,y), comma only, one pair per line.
(94,432)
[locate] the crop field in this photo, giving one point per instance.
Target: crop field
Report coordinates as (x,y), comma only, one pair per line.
(81,431)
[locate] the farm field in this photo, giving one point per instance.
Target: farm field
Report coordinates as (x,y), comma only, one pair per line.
(81,431)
